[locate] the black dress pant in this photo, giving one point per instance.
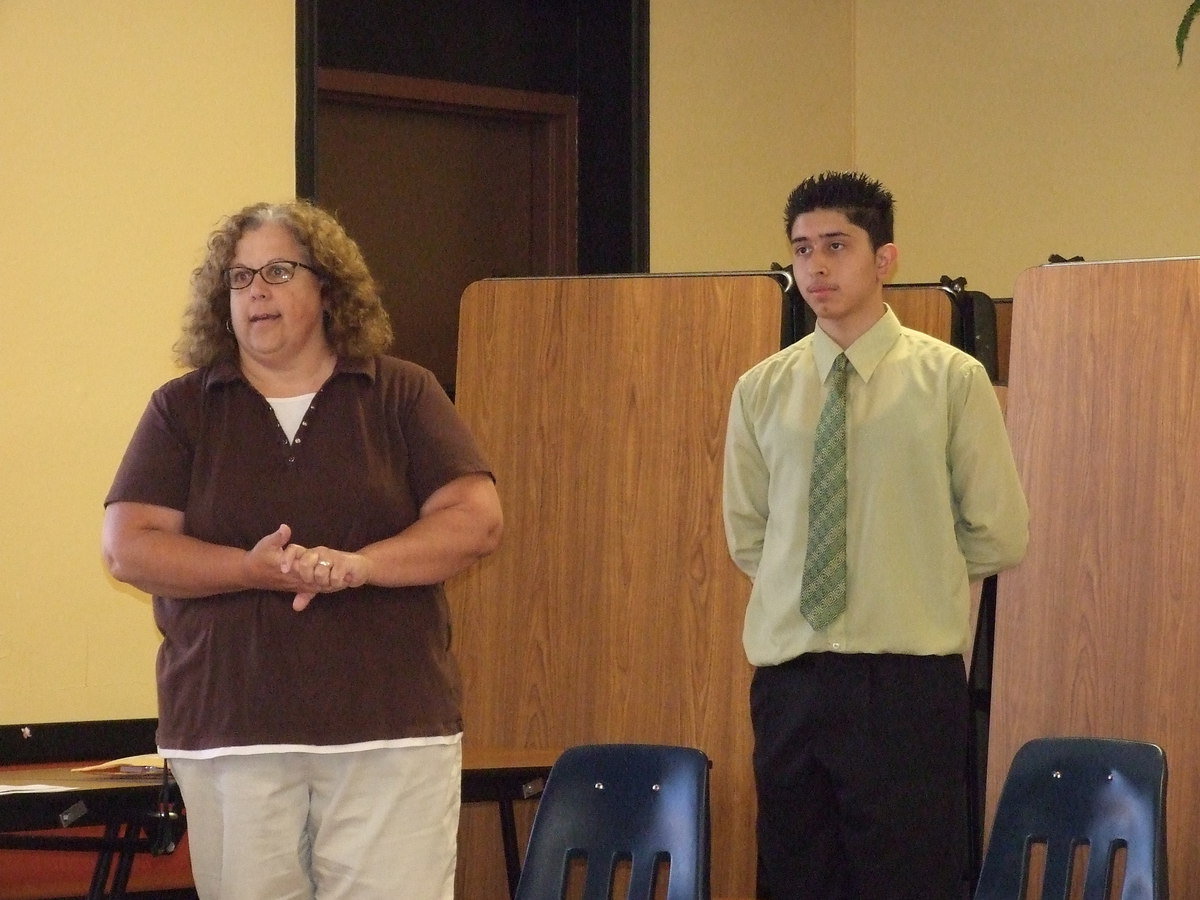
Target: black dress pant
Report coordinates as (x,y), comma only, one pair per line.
(860,764)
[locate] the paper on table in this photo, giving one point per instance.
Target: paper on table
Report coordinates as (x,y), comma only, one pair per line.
(141,764)
(30,788)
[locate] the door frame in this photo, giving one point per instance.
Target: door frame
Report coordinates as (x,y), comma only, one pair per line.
(551,118)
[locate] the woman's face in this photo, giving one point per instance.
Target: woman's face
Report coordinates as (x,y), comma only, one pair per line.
(276,324)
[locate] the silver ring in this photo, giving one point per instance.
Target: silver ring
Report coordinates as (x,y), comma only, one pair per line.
(324,562)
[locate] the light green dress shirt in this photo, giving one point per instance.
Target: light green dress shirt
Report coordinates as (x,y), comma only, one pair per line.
(933,495)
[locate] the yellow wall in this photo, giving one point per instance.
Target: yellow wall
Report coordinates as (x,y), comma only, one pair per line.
(1007,131)
(745,98)
(1018,130)
(127,128)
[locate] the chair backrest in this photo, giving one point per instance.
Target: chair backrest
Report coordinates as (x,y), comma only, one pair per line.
(1075,793)
(608,806)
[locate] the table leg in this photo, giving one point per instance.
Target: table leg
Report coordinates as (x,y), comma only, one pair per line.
(103,862)
(133,832)
(508,834)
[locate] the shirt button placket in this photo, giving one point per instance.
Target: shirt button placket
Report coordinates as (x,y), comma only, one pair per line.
(303,426)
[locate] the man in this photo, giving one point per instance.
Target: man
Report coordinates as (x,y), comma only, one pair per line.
(859,699)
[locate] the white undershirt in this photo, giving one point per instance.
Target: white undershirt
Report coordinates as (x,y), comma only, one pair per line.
(254,749)
(290,412)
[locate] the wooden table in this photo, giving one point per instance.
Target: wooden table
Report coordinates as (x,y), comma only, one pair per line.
(503,776)
(139,814)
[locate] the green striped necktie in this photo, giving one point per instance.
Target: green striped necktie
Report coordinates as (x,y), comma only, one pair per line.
(823,590)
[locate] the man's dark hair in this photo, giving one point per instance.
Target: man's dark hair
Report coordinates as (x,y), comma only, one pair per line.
(862,200)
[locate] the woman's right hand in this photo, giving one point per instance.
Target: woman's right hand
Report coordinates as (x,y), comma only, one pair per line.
(263,562)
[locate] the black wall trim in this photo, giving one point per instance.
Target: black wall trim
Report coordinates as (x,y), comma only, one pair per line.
(639,151)
(32,743)
(306,99)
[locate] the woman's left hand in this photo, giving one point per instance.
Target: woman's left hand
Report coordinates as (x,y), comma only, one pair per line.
(324,569)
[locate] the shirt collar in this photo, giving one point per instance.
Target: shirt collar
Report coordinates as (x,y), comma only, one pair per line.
(865,353)
(224,371)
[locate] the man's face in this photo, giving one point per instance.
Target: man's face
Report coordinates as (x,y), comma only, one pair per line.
(838,273)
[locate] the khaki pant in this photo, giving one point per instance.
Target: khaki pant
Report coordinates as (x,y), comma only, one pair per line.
(365,825)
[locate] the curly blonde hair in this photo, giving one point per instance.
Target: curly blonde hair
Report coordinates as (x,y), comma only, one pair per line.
(356,323)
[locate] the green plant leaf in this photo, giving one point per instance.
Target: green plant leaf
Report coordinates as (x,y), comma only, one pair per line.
(1185,26)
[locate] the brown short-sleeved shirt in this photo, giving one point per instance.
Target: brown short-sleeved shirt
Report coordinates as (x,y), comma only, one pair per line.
(362,664)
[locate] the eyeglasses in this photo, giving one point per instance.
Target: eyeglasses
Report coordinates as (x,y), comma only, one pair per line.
(280,271)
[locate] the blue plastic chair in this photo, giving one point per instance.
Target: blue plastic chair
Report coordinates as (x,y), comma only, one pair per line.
(607,806)
(1071,792)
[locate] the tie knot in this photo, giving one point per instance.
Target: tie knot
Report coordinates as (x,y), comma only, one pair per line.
(840,373)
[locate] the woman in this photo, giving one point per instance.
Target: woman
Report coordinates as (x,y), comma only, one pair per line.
(293,503)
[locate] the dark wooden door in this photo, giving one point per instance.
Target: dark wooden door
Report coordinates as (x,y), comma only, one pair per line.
(444,184)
